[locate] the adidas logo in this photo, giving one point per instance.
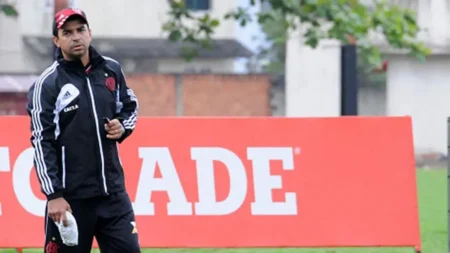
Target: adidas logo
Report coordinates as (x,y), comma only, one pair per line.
(67,95)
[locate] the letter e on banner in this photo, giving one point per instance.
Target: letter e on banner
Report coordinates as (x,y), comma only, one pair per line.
(265,182)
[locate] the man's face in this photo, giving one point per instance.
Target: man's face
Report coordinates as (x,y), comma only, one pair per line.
(74,38)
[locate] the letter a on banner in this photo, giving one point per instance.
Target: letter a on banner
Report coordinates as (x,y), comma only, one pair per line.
(169,182)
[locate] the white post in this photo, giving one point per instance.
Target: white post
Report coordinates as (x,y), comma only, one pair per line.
(313,78)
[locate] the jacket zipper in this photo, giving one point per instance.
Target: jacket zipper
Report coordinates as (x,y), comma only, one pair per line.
(63,161)
(98,135)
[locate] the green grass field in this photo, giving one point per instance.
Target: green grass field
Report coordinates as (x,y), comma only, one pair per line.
(432,187)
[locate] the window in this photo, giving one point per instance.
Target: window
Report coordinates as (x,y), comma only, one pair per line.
(197,5)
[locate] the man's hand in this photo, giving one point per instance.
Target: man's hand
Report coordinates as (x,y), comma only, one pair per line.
(57,210)
(114,129)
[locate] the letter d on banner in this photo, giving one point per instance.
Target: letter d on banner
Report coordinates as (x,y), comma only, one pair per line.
(208,204)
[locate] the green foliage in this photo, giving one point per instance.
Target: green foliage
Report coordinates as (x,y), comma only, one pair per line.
(349,21)
(8,10)
(274,53)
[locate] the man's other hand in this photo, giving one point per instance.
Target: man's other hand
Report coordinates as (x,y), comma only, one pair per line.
(57,210)
(114,129)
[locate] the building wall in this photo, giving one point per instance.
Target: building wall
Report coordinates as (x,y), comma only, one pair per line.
(202,95)
(137,18)
(423,93)
(372,100)
(14,56)
(143,18)
(185,95)
(121,18)
(196,65)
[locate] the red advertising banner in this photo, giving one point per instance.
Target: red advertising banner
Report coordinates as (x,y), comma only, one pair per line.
(243,182)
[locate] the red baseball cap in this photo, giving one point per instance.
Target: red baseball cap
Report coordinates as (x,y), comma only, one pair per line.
(62,16)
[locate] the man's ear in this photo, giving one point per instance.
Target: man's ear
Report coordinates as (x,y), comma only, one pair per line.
(55,41)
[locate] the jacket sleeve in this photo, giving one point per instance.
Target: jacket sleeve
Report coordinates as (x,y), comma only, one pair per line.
(129,106)
(40,106)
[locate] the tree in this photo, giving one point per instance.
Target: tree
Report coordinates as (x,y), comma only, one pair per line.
(274,54)
(349,21)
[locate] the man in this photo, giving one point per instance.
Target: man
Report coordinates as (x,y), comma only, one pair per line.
(80,109)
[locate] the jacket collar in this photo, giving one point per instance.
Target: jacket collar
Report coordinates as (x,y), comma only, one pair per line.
(95,60)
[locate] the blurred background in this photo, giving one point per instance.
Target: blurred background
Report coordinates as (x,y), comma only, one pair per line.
(248,72)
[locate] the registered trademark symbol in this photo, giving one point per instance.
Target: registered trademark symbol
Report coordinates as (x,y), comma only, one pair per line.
(297,151)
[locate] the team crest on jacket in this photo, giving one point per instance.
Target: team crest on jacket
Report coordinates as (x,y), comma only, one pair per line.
(51,247)
(110,83)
